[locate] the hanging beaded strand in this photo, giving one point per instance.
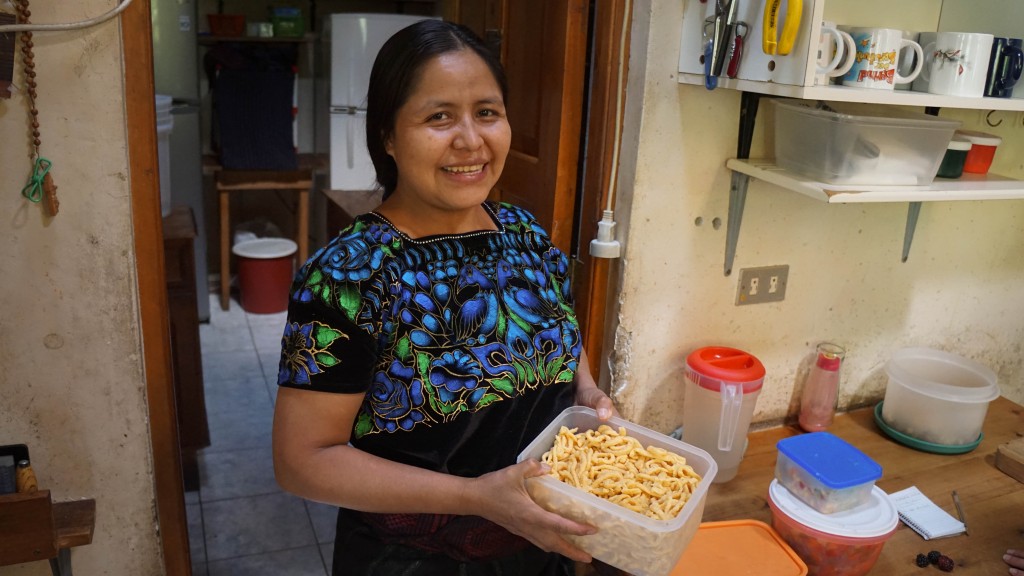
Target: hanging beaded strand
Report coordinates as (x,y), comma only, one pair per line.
(40,186)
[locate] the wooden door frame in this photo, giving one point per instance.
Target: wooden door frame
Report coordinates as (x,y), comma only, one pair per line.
(147,228)
(594,275)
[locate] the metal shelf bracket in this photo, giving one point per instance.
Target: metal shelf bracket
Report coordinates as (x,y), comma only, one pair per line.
(738,188)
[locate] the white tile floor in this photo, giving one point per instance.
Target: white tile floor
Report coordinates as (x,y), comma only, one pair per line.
(240,522)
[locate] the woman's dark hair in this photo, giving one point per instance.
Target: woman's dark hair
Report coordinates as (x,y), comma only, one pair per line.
(395,73)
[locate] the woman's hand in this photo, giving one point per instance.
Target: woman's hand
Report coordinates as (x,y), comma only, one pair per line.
(1015,559)
(501,497)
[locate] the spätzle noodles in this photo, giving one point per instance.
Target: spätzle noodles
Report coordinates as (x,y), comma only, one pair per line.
(632,541)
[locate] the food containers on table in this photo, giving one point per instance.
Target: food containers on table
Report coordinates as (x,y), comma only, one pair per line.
(625,539)
(835,145)
(764,552)
(937,397)
(983,150)
(845,543)
(722,385)
(826,472)
(952,165)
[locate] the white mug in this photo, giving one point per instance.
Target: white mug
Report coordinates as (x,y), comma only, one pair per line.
(921,82)
(877,56)
(907,59)
(836,54)
(957,62)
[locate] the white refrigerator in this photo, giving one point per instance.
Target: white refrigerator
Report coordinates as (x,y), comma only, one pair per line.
(355,40)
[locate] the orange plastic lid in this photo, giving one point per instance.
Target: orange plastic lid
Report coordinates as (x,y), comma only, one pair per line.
(727,364)
(738,548)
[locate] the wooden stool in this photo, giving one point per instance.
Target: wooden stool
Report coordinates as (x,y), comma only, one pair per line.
(229,181)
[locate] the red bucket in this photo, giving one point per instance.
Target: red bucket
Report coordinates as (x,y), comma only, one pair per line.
(265,271)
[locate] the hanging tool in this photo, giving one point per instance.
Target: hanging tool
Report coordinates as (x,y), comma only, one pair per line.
(724,24)
(771,42)
(736,52)
(723,34)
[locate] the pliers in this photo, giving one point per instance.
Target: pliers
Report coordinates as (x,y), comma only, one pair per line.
(770,29)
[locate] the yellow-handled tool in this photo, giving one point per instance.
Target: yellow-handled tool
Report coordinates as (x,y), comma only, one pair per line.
(770,29)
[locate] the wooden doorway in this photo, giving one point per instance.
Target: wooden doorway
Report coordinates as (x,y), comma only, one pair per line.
(561,58)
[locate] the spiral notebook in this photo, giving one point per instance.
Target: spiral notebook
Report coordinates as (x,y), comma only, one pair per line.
(924,516)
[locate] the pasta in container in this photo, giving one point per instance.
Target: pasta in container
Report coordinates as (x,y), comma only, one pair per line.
(642,528)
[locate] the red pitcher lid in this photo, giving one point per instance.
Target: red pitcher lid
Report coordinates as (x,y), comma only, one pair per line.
(727,364)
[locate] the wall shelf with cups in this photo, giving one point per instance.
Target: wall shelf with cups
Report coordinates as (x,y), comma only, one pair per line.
(755,73)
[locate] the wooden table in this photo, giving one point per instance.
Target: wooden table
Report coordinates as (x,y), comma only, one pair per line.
(993,503)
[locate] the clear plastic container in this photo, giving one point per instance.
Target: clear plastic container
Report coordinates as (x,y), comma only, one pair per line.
(825,472)
(625,539)
(837,146)
(843,544)
(937,397)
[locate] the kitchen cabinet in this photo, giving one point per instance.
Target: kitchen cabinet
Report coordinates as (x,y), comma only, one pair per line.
(792,76)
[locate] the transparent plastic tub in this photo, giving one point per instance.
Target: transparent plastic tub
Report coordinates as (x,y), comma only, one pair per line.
(937,397)
(826,472)
(625,539)
(838,146)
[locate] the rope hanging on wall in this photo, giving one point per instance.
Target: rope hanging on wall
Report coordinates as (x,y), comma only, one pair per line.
(40,186)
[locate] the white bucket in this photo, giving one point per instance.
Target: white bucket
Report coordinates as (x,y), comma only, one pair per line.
(164,127)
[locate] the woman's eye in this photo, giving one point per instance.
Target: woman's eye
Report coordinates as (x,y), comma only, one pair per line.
(437,117)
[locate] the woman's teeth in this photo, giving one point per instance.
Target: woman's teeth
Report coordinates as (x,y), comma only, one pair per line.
(464,169)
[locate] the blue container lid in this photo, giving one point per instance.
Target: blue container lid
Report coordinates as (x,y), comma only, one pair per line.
(831,460)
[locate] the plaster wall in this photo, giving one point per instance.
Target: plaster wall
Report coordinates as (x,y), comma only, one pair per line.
(959,291)
(72,387)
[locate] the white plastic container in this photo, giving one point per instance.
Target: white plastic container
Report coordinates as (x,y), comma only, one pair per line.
(826,472)
(625,539)
(164,127)
(838,146)
(937,397)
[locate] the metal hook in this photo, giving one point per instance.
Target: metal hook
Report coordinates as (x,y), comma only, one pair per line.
(988,119)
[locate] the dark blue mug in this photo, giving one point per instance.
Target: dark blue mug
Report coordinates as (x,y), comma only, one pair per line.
(1005,66)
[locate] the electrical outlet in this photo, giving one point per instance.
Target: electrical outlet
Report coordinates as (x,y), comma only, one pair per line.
(762,284)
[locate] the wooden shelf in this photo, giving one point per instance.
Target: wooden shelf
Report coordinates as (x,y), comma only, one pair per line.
(836,93)
(968,187)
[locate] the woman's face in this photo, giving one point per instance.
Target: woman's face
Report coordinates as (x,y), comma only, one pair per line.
(451,137)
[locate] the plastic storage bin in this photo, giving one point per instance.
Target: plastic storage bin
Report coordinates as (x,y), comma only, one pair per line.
(846,543)
(625,539)
(826,472)
(836,147)
(713,551)
(983,150)
(936,396)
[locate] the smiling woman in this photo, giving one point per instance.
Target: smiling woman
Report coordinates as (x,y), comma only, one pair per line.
(433,339)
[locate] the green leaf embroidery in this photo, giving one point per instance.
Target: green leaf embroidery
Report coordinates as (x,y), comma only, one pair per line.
(324,335)
(326,359)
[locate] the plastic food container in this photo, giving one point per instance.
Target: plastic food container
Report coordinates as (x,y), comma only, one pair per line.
(713,551)
(625,539)
(936,396)
(952,165)
(983,150)
(833,146)
(846,543)
(826,472)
